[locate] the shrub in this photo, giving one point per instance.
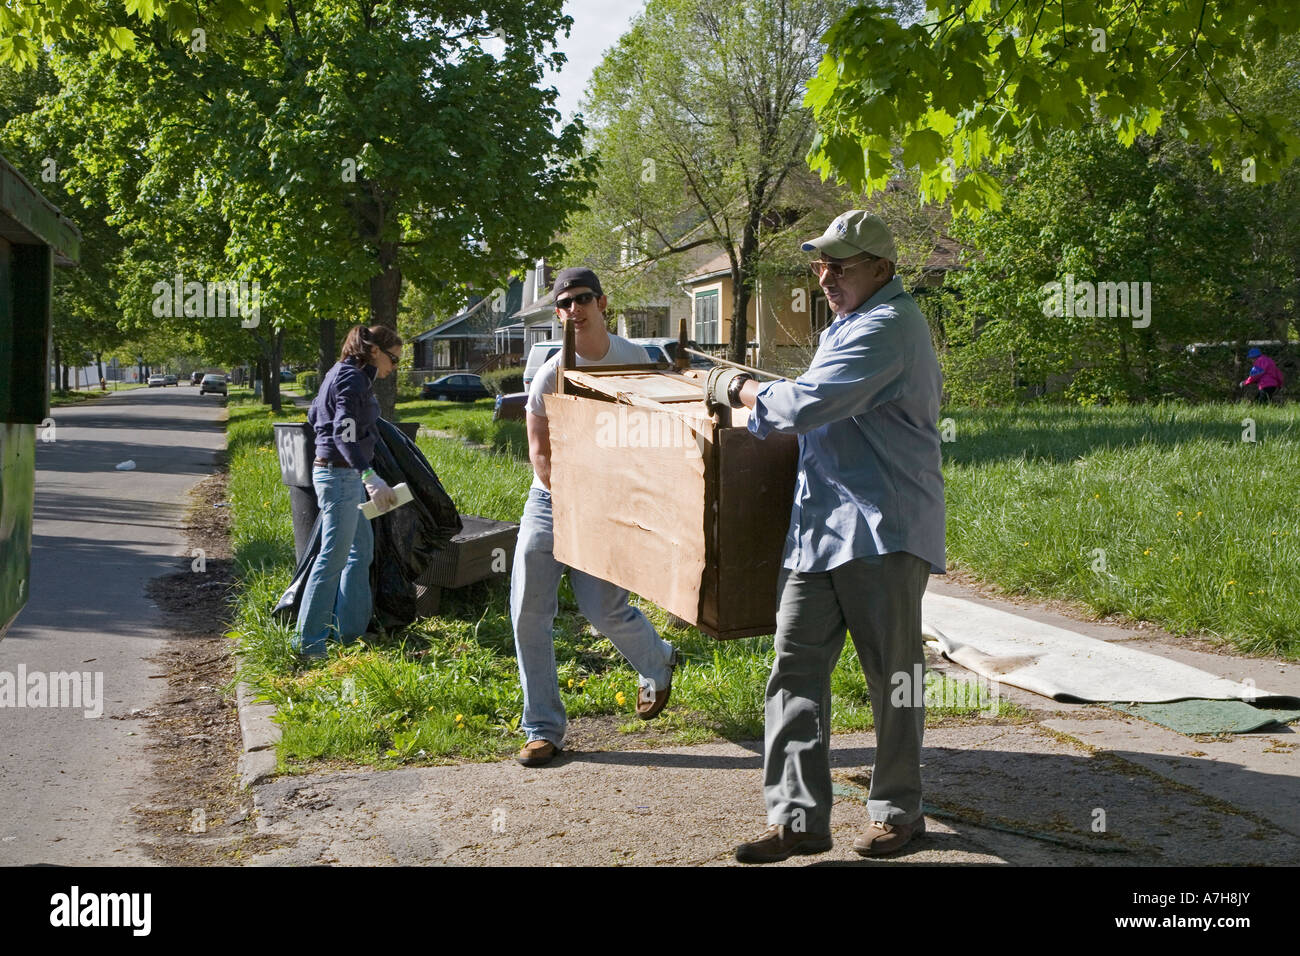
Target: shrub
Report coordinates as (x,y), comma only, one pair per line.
(503,381)
(309,382)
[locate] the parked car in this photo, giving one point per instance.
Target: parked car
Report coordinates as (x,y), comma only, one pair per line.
(196,377)
(668,349)
(287,376)
(537,356)
(657,349)
(157,380)
(461,388)
(170,380)
(216,384)
(509,407)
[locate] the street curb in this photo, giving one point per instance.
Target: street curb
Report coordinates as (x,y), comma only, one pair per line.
(260,734)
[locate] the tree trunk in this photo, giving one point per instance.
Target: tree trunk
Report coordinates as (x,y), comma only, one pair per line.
(272,387)
(385,293)
(328,350)
(58,366)
(742,283)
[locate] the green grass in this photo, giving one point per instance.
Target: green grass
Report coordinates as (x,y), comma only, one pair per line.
(471,421)
(1160,513)
(59,399)
(447,688)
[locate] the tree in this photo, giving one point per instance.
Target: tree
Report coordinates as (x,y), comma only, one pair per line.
(1194,256)
(83,310)
(977,80)
(699,129)
(333,151)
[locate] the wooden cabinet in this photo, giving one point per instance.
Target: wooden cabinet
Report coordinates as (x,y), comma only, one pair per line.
(653,494)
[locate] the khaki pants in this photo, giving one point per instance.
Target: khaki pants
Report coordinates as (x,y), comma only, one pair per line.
(878,599)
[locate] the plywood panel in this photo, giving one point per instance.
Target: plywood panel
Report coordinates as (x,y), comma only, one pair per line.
(628,488)
(659,386)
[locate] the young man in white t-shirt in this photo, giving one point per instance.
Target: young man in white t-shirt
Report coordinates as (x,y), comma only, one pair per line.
(535,578)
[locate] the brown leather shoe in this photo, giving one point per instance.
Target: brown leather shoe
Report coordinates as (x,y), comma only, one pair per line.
(649,705)
(884,838)
(537,753)
(779,843)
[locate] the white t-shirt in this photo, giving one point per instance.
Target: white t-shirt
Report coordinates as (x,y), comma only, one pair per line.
(621,352)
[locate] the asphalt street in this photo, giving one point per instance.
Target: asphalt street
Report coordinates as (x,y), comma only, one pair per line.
(70,776)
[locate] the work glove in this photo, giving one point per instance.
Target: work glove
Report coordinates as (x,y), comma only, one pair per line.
(717,386)
(383,496)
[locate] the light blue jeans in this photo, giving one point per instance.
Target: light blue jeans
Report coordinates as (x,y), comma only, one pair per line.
(534,601)
(336,600)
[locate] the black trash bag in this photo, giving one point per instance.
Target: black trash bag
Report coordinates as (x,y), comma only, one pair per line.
(406,538)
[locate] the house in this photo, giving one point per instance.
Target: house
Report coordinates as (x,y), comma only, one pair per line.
(786,313)
(479,338)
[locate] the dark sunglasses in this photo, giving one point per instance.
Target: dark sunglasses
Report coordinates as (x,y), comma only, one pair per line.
(395,359)
(582,298)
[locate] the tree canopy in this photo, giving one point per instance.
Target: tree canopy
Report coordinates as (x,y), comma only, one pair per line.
(972,81)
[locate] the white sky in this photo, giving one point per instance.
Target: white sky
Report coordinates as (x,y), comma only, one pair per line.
(597,25)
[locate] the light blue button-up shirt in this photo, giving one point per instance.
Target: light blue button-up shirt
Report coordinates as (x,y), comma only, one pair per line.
(869,479)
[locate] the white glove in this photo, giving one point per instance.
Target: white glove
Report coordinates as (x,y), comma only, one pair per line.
(383,496)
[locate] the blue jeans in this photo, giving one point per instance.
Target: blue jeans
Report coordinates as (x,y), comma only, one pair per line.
(336,600)
(534,601)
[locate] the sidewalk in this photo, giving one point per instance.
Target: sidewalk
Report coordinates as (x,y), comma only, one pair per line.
(1073,784)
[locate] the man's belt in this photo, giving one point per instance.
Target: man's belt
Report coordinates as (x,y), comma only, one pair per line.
(331,463)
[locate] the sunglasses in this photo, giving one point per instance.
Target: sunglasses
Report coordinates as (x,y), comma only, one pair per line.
(582,298)
(837,269)
(395,359)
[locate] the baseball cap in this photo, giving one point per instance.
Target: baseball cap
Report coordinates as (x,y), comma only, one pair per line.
(853,233)
(1254,353)
(574,277)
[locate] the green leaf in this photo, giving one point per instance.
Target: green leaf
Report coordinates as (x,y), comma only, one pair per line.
(923,148)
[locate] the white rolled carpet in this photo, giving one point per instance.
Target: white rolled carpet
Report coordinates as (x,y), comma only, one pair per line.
(1065,665)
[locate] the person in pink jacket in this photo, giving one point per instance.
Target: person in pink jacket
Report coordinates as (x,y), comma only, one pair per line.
(1265,374)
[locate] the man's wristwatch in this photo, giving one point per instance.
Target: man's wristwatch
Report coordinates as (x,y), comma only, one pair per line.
(733,389)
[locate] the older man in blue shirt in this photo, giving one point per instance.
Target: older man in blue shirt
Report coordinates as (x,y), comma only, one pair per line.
(866,531)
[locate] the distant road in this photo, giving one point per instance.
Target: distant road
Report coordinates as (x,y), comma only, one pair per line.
(67,782)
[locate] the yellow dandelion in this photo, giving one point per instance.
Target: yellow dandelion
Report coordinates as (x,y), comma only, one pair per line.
(1232,582)
(620,699)
(1176,558)
(459,718)
(1199,513)
(1147,551)
(1097,495)
(570,681)
(1024,544)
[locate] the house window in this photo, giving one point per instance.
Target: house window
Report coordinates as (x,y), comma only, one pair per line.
(707,329)
(821,314)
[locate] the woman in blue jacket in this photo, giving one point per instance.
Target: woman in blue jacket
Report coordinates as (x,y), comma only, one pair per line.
(336,600)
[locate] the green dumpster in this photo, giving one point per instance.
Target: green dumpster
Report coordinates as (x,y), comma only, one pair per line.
(34,237)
